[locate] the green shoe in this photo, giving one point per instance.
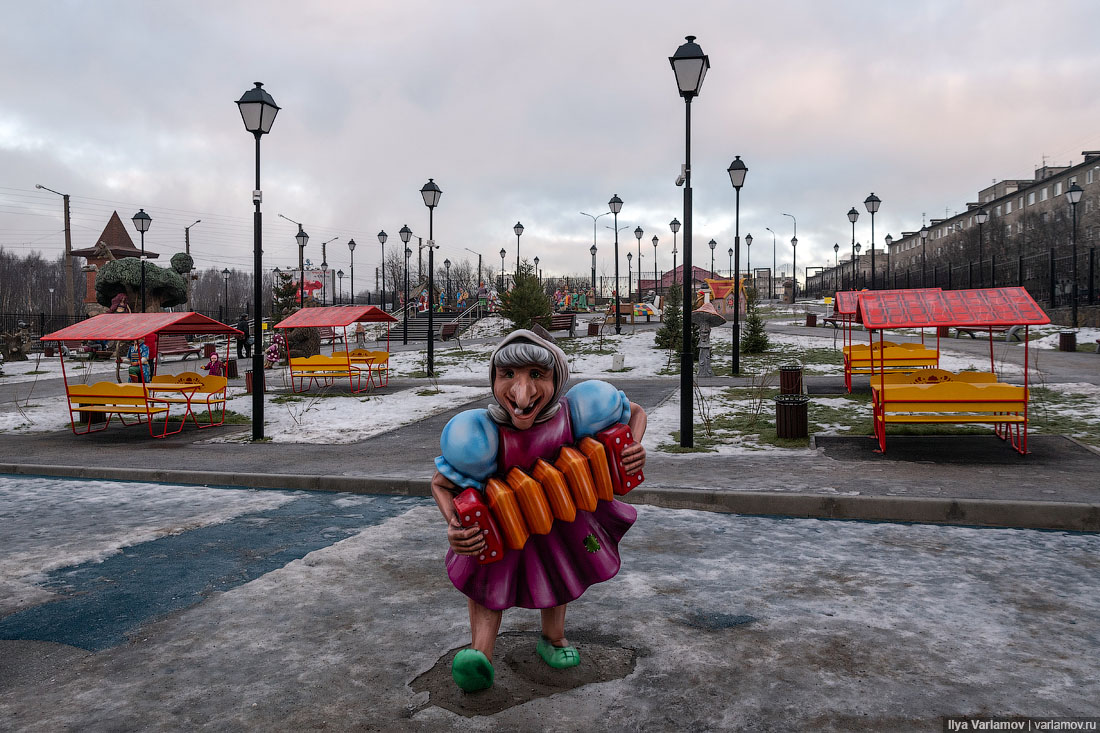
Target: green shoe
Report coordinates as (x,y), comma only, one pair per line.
(472,670)
(558,657)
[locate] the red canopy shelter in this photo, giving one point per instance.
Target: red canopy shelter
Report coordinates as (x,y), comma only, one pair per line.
(846,302)
(338,316)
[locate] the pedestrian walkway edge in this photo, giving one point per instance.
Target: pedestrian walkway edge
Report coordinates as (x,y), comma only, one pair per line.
(1054,515)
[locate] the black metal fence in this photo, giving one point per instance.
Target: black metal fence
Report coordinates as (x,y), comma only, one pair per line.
(1047,277)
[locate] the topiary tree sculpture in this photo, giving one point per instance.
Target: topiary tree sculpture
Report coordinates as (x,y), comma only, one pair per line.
(164,287)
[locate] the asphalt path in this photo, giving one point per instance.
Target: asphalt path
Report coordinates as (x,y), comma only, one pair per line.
(332,611)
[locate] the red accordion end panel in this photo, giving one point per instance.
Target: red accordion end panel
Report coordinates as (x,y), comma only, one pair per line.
(521,503)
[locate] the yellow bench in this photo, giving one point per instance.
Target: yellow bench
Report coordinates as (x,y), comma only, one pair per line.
(324,370)
(935,376)
(108,399)
(210,394)
(904,357)
(1004,406)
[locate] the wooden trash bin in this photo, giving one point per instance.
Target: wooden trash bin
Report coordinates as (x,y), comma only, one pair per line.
(811,320)
(790,379)
(1067,341)
(791,416)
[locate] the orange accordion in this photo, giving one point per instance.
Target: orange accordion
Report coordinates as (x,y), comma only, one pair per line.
(521,504)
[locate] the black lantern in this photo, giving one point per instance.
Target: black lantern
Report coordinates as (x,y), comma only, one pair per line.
(142,221)
(690,65)
(431,193)
(1073,195)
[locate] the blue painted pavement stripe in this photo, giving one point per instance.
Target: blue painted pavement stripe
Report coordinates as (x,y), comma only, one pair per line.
(102,603)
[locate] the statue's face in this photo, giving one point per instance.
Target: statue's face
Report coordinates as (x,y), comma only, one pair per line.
(524,392)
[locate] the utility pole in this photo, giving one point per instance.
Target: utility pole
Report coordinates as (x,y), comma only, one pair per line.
(187,250)
(70,299)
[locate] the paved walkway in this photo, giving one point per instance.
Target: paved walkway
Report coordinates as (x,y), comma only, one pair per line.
(958,479)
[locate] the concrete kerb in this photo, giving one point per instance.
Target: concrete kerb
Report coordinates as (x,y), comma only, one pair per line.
(1050,515)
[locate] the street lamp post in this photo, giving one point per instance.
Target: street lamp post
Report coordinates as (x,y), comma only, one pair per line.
(674,225)
(629,259)
(794,243)
(690,65)
(794,269)
(302,238)
(382,237)
(616,205)
(503,253)
(712,244)
(656,289)
(406,234)
(771,278)
(1074,196)
(748,259)
(225,295)
(853,216)
(447,290)
(638,235)
(730,253)
(890,240)
(324,271)
(431,193)
(923,248)
(340,287)
(537,273)
(518,229)
(351,282)
(737,170)
(982,218)
(141,222)
(258,111)
(836,267)
(872,203)
(855,266)
(592,251)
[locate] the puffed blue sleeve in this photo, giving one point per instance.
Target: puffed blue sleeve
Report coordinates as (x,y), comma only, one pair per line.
(470,443)
(595,405)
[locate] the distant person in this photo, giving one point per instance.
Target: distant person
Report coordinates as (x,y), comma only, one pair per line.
(244,341)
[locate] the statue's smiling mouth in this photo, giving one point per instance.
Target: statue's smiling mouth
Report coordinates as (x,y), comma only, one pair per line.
(525,411)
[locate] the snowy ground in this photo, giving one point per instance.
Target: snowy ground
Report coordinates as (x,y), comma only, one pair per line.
(735,623)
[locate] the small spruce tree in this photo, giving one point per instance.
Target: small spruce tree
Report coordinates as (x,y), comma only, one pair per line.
(284,295)
(526,301)
(671,334)
(755,338)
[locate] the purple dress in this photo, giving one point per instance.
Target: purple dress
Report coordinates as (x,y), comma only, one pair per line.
(557,567)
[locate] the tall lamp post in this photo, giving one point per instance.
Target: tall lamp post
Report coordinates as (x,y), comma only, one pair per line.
(447,291)
(258,111)
(629,259)
(616,205)
(431,193)
(690,65)
(794,243)
(855,266)
(340,287)
(503,254)
(836,267)
(382,237)
(737,170)
(923,247)
(225,294)
(872,203)
(748,258)
(351,283)
(518,229)
(592,251)
(674,225)
(655,288)
(1073,195)
(771,279)
(537,273)
(324,270)
(730,253)
(794,269)
(712,244)
(982,218)
(406,234)
(638,233)
(853,216)
(141,223)
(302,239)
(890,240)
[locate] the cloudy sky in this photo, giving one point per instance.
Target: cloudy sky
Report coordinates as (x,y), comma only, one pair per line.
(531,111)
